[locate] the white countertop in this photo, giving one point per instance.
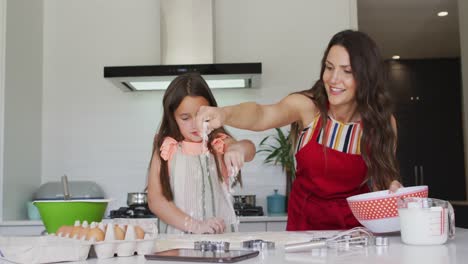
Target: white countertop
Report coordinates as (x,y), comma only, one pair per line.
(22,223)
(454,251)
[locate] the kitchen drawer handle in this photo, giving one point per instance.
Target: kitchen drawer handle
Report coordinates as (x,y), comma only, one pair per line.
(421,174)
(415,175)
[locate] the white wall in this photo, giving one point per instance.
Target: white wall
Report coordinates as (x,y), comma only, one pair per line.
(91,130)
(23,101)
(289,38)
(94,131)
(463,29)
(2,93)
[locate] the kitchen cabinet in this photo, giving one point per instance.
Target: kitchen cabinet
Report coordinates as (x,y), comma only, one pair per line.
(429,117)
(21,228)
(263,223)
(461,213)
(252,227)
(262,226)
(276,226)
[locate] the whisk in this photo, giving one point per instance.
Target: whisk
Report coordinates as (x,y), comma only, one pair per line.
(356,237)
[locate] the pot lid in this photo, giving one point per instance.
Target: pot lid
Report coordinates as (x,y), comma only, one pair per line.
(78,190)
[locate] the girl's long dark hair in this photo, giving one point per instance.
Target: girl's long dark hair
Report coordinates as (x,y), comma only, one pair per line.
(378,142)
(189,84)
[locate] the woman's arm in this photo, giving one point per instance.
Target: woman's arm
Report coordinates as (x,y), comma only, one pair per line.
(236,153)
(256,117)
(169,212)
(244,147)
(395,129)
(394,185)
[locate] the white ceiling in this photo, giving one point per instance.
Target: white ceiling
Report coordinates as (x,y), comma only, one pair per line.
(411,28)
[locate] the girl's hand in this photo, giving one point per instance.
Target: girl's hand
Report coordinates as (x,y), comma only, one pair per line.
(234,158)
(394,186)
(213,116)
(212,225)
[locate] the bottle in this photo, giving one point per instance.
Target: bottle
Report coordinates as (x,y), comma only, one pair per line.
(276,203)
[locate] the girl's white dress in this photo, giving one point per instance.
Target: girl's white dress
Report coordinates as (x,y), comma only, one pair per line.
(196,187)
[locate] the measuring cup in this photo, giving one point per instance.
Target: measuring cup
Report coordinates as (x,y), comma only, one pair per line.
(426,221)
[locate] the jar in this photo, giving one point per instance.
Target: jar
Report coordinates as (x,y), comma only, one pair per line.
(276,203)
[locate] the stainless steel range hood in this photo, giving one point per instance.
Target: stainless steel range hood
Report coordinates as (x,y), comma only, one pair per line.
(158,77)
(186,46)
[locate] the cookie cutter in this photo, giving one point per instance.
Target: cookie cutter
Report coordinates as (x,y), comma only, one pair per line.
(258,244)
(381,241)
(211,245)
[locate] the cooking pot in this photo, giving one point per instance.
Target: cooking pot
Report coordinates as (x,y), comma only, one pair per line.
(137,198)
(78,190)
(245,199)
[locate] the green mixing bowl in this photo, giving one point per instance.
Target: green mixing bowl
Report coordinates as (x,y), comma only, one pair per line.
(56,213)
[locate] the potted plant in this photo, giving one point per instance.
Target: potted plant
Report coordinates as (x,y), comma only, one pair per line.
(280,152)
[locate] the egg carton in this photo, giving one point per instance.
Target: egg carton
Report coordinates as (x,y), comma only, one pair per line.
(43,249)
(129,245)
(123,248)
(149,225)
(80,249)
(121,241)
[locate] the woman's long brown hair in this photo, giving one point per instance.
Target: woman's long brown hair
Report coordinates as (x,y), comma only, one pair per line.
(189,84)
(379,139)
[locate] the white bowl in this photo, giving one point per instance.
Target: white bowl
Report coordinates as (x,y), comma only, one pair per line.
(378,210)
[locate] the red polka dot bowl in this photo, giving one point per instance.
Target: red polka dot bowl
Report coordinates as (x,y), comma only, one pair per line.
(378,210)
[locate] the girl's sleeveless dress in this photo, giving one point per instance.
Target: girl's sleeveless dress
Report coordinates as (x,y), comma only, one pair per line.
(326,176)
(195,185)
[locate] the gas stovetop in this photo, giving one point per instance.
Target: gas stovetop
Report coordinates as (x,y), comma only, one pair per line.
(247,210)
(144,212)
(132,212)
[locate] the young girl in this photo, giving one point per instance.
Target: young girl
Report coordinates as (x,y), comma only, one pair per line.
(188,182)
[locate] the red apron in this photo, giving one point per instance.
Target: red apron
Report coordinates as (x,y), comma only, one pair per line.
(324,179)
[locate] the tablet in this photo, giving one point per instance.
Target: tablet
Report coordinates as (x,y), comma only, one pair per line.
(187,254)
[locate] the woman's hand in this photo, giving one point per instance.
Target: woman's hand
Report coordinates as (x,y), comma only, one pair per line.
(214,117)
(212,225)
(234,159)
(394,186)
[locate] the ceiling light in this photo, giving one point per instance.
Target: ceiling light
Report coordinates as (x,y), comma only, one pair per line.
(396,57)
(442,13)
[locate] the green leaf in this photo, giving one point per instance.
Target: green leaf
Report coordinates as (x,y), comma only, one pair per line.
(278,149)
(263,140)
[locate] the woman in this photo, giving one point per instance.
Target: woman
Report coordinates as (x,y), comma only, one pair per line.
(343,130)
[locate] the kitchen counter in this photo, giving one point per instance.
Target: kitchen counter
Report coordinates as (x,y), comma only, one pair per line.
(243,219)
(248,223)
(454,251)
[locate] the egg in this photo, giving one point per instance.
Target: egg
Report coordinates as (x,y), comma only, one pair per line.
(102,226)
(75,232)
(119,233)
(95,234)
(83,232)
(64,230)
(140,234)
